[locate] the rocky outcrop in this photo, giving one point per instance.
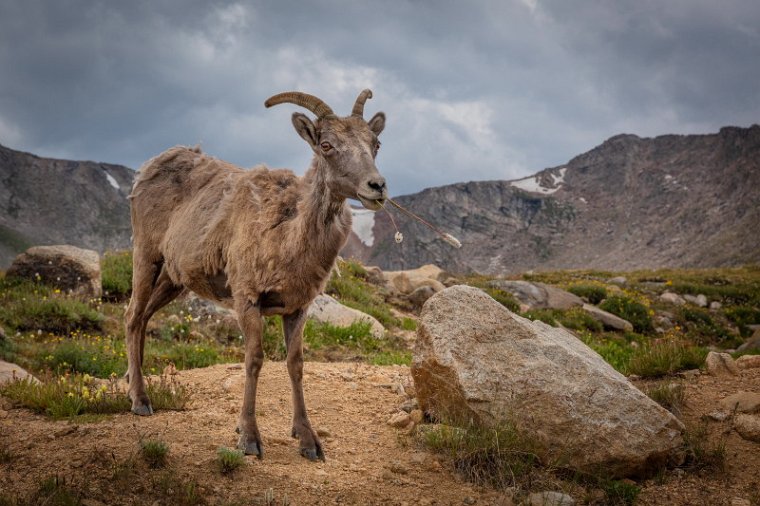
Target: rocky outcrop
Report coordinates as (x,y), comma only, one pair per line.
(538,295)
(11,372)
(476,361)
(325,309)
(627,204)
(68,268)
(48,201)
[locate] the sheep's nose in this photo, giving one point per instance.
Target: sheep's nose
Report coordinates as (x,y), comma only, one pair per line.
(377,184)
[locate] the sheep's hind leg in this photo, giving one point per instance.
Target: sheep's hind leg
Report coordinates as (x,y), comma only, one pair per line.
(251,323)
(151,292)
(311,446)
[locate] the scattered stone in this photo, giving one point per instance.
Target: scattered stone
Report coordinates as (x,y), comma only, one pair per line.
(65,267)
(400,420)
(417,415)
(690,374)
(748,427)
(476,360)
(469,500)
(699,300)
(550,499)
(375,275)
(618,280)
(9,372)
(718,416)
(420,295)
(721,364)
(715,305)
(742,402)
(538,295)
(324,432)
(748,361)
(738,501)
(672,298)
(325,309)
(609,320)
(406,282)
(409,405)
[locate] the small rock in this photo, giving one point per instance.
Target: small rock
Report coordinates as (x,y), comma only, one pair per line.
(721,364)
(409,405)
(717,416)
(715,305)
(699,300)
(618,280)
(690,374)
(753,343)
(400,420)
(550,499)
(323,432)
(469,500)
(417,415)
(609,320)
(672,298)
(748,427)
(742,402)
(738,501)
(91,502)
(420,295)
(748,361)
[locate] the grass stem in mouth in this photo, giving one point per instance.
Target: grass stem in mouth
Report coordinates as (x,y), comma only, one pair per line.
(446,237)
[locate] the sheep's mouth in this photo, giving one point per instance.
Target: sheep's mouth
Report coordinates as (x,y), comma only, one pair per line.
(371,204)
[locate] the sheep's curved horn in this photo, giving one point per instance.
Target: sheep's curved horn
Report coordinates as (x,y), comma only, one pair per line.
(310,102)
(359,105)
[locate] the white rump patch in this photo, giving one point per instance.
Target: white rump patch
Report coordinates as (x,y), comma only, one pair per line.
(112,181)
(363,220)
(533,183)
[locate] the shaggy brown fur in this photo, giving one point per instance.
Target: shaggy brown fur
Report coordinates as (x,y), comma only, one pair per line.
(261,241)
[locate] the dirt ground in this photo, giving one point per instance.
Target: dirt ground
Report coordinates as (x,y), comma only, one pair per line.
(368,461)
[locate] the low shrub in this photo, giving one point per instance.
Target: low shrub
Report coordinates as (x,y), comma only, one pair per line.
(594,294)
(669,395)
(701,327)
(665,357)
(154,452)
(630,310)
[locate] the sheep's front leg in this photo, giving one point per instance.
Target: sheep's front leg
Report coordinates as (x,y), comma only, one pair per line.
(249,317)
(311,447)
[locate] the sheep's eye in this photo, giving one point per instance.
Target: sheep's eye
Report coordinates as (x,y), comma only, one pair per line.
(326,146)
(377,146)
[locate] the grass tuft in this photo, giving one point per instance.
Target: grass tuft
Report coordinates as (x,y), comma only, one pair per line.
(664,357)
(116,275)
(629,309)
(154,453)
(670,396)
(229,460)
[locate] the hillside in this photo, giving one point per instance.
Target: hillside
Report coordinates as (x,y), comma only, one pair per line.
(669,201)
(48,201)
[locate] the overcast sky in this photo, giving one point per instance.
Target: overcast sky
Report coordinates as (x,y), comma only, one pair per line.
(472,89)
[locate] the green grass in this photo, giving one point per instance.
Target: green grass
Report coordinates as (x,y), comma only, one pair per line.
(743,316)
(665,357)
(504,298)
(330,342)
(154,452)
(501,457)
(574,318)
(30,306)
(352,289)
(116,274)
(702,328)
(229,460)
(70,396)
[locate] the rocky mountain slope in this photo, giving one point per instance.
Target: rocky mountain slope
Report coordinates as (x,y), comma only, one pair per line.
(669,201)
(48,201)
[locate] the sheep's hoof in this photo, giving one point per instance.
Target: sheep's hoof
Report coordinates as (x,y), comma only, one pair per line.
(251,446)
(313,453)
(142,409)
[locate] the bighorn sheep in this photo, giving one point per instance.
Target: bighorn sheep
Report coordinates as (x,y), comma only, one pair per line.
(260,241)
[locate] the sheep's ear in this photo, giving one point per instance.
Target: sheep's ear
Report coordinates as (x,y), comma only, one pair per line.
(377,123)
(305,128)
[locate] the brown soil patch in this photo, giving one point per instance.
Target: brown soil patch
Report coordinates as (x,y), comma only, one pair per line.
(368,462)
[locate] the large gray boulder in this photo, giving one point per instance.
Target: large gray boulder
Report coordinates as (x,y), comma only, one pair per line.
(477,361)
(325,309)
(68,268)
(608,320)
(538,295)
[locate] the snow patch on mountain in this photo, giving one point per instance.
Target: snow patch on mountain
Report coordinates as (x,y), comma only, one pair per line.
(533,183)
(363,221)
